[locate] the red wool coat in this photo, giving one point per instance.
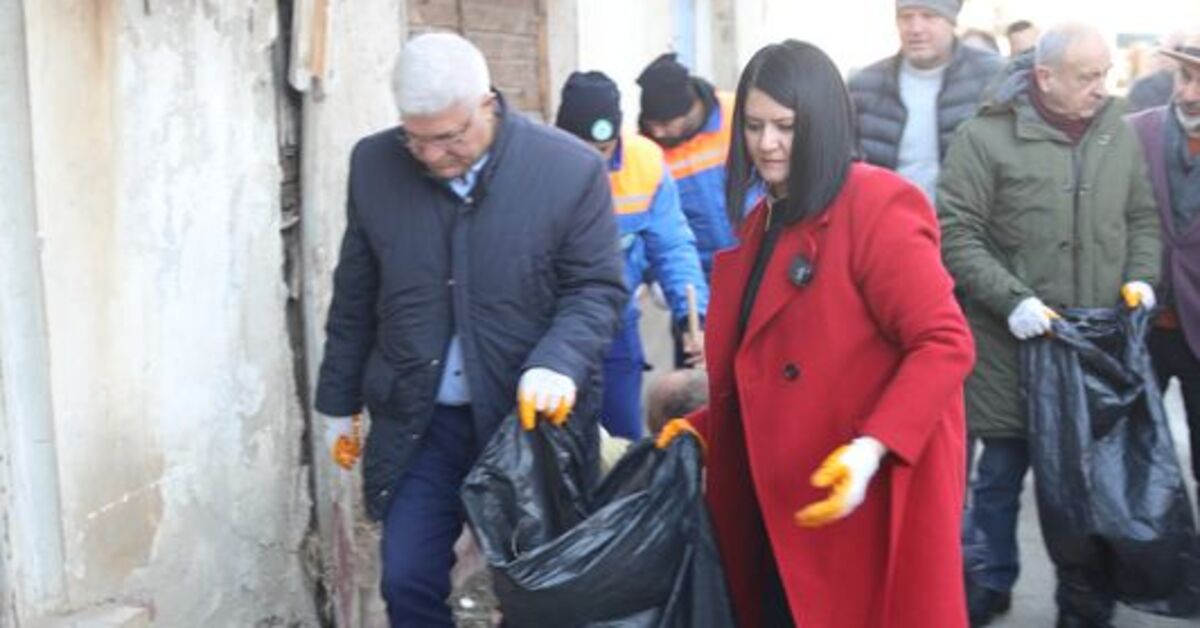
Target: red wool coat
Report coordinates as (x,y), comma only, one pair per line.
(875,345)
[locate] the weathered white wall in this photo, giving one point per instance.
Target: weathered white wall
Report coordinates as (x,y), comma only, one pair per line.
(157,207)
(853,32)
(620,38)
(562,45)
(353,100)
(31,544)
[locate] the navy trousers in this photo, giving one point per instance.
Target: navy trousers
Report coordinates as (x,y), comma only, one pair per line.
(424,520)
(623,368)
(1173,358)
(990,550)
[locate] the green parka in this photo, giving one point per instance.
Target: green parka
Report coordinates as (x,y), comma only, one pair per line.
(1026,213)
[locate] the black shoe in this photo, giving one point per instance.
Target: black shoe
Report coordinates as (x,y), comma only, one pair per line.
(1071,620)
(983,604)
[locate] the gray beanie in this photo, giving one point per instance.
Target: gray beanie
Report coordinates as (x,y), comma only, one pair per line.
(945,8)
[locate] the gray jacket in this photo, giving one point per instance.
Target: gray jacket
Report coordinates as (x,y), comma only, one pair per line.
(882,116)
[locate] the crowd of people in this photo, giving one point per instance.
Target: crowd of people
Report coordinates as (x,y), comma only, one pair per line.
(850,267)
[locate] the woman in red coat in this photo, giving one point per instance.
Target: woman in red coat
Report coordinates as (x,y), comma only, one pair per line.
(836,357)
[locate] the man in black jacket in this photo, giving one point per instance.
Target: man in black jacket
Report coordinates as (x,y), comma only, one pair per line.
(479,247)
(910,104)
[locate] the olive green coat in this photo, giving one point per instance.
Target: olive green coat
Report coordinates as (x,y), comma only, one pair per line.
(1026,213)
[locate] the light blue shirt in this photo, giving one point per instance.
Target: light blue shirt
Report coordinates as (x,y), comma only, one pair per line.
(454,390)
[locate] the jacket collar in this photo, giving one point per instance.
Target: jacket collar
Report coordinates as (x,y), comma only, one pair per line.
(506,122)
(1011,97)
(775,289)
(1031,126)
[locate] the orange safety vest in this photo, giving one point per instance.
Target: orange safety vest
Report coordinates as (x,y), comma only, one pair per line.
(634,185)
(706,149)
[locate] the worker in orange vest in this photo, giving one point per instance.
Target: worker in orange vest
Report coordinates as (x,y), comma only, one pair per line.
(690,120)
(654,236)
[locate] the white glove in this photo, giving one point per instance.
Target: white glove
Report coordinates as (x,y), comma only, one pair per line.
(546,392)
(1138,293)
(1030,318)
(848,472)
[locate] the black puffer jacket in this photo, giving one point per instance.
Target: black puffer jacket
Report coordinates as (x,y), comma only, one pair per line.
(881,114)
(527,270)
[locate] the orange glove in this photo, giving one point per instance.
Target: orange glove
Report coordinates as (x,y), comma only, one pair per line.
(547,392)
(673,429)
(346,436)
(1138,294)
(848,472)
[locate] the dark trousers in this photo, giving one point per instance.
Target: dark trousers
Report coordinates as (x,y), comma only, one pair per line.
(1173,358)
(424,520)
(623,368)
(777,612)
(990,549)
(991,554)
(679,357)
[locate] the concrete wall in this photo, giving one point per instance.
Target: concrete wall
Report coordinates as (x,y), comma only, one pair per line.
(31,547)
(619,38)
(511,34)
(562,45)
(353,100)
(853,33)
(175,416)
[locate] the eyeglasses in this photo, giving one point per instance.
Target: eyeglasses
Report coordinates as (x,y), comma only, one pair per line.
(441,141)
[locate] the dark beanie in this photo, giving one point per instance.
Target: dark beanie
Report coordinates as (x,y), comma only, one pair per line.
(945,8)
(666,89)
(590,107)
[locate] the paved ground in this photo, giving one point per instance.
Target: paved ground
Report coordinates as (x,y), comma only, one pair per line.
(1033,599)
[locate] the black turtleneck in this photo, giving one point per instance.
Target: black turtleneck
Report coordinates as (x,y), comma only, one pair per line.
(762,257)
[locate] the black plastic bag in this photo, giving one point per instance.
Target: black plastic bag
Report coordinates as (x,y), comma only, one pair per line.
(636,551)
(1110,493)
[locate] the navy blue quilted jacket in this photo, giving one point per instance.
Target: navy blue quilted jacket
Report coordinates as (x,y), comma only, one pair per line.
(527,269)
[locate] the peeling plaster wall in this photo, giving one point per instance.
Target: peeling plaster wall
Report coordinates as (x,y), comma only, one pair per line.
(30,529)
(8,611)
(353,101)
(176,415)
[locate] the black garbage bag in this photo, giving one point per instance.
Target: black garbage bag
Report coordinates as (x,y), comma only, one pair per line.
(1110,492)
(636,551)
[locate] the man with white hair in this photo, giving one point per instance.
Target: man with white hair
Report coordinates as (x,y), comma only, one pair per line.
(1044,206)
(479,271)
